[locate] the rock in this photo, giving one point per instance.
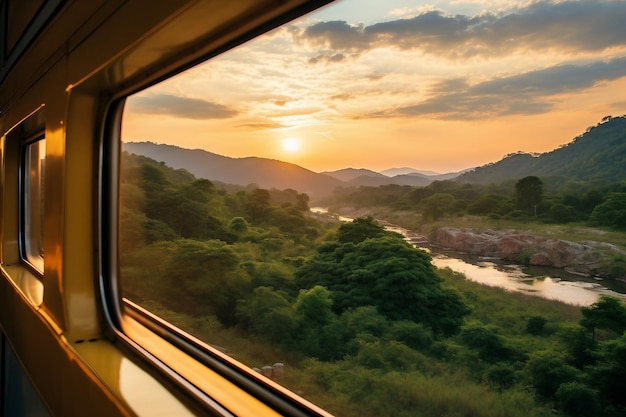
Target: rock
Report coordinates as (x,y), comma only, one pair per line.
(466,241)
(524,248)
(541,259)
(278,370)
(516,245)
(267,371)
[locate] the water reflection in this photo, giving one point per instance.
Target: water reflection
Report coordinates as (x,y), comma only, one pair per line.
(550,283)
(513,278)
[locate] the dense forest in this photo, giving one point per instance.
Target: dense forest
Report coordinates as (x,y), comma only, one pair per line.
(364,321)
(545,199)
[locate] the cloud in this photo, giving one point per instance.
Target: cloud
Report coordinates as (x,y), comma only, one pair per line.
(342,96)
(529,93)
(261,125)
(336,35)
(189,108)
(568,26)
(327,58)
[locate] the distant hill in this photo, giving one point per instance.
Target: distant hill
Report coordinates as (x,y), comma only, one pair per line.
(415,179)
(392,172)
(349,174)
(375,181)
(598,154)
(365,177)
(266,173)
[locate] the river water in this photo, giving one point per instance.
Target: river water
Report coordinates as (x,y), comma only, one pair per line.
(551,283)
(548,283)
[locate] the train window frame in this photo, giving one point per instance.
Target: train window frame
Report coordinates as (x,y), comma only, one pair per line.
(32,197)
(175,355)
(151,337)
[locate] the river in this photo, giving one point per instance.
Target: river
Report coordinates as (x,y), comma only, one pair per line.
(551,283)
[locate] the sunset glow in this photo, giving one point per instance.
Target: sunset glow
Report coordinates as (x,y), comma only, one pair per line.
(291,145)
(440,86)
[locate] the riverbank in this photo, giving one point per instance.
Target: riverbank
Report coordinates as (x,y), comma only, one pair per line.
(590,258)
(577,249)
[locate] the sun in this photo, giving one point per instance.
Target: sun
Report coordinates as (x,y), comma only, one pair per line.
(291,145)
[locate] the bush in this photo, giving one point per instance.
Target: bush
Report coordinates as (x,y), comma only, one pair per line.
(578,400)
(500,376)
(535,325)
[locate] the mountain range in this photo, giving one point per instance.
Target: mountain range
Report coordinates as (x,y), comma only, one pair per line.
(599,154)
(271,173)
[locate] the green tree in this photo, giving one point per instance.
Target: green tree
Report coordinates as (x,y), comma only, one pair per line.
(609,373)
(561,213)
(535,325)
(319,333)
(486,342)
(438,205)
(388,273)
(612,212)
(590,200)
(500,376)
(258,205)
(207,272)
(578,400)
(238,225)
(359,229)
(608,314)
(313,307)
(387,356)
(529,191)
(548,370)
(268,314)
(485,204)
(412,334)
(366,320)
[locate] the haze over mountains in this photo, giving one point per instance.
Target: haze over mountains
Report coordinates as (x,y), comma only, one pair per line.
(271,173)
(598,154)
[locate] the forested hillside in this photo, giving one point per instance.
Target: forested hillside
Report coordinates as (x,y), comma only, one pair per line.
(597,155)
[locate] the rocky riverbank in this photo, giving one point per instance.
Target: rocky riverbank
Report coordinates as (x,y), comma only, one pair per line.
(588,258)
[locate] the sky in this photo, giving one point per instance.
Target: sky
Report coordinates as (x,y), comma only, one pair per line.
(436,86)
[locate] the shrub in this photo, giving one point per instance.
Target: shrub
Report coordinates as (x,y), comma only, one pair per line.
(577,400)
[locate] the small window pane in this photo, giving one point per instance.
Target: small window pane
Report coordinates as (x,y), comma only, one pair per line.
(34,168)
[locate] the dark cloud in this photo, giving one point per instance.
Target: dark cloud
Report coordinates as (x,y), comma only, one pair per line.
(190,108)
(529,93)
(327,58)
(568,26)
(337,35)
(556,80)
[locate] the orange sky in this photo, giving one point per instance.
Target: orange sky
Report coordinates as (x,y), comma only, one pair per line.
(440,86)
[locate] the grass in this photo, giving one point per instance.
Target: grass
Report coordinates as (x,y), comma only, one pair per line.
(510,310)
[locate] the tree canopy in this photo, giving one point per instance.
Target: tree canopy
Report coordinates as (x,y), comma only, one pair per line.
(388,273)
(611,212)
(529,191)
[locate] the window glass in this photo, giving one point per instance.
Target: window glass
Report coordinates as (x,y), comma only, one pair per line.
(33,201)
(241,178)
